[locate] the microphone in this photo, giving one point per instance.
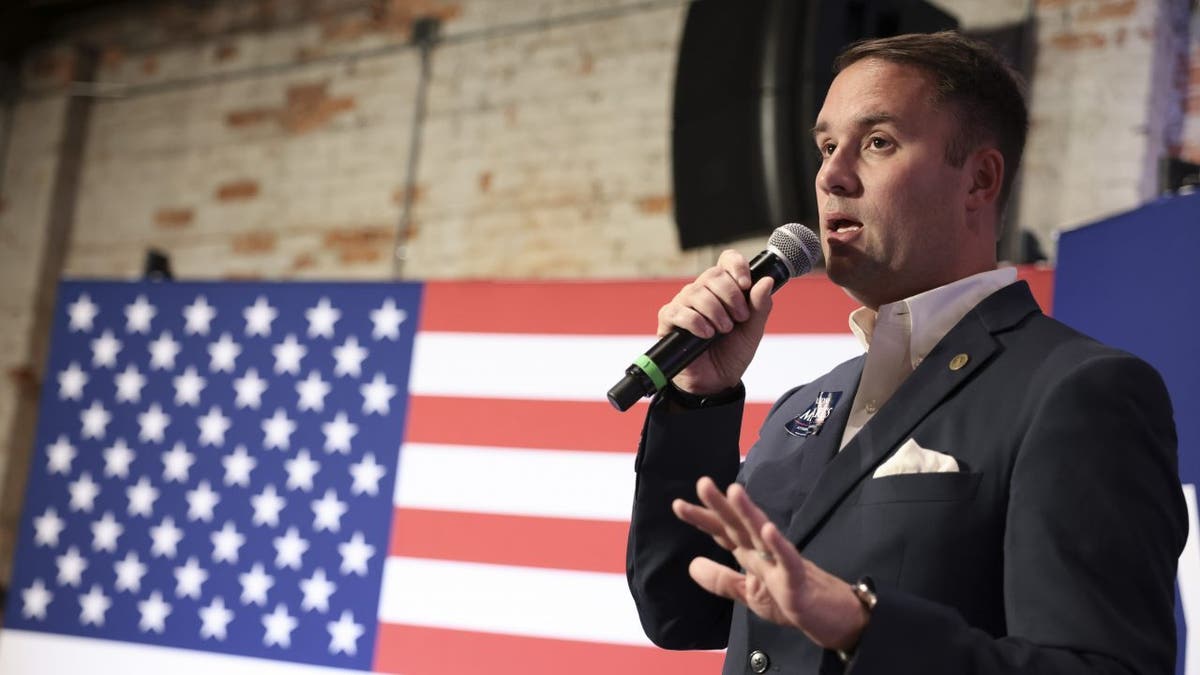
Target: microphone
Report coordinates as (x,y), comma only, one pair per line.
(792,250)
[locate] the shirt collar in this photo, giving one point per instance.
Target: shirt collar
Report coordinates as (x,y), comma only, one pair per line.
(934,312)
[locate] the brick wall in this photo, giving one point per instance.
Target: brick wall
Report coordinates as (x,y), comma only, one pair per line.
(272,138)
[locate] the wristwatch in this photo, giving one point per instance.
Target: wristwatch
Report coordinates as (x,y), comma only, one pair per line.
(864,590)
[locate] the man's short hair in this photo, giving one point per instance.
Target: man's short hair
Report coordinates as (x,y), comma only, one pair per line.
(984,92)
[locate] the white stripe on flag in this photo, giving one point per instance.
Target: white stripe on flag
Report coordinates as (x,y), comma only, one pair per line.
(588,606)
(31,652)
(547,483)
(584,367)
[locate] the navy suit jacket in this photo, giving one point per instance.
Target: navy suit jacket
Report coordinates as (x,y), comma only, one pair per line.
(1052,550)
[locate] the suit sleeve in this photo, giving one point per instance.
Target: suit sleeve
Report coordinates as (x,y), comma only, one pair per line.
(1095,525)
(678,446)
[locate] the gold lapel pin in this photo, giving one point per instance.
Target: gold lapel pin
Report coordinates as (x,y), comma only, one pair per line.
(958,362)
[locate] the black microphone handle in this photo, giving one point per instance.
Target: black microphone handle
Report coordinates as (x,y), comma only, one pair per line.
(652,371)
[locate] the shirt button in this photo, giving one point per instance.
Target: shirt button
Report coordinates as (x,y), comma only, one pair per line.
(759,661)
(871,407)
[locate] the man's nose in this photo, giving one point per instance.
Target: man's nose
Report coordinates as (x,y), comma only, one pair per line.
(837,174)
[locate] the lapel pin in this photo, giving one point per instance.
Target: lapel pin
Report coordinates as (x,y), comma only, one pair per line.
(809,422)
(958,362)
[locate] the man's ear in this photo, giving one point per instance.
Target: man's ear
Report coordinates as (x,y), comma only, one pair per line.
(987,176)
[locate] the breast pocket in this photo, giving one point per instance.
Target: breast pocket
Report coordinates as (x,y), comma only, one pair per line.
(920,487)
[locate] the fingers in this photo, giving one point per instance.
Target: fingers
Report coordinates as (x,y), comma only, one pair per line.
(718,579)
(714,303)
(704,520)
(733,526)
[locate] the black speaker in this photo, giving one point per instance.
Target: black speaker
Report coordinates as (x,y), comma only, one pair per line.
(750,79)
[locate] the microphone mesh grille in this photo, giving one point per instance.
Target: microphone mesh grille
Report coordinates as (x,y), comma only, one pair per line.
(797,245)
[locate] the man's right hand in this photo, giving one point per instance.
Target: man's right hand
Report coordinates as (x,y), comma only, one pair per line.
(714,303)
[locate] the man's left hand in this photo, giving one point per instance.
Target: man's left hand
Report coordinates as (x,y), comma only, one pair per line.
(778,584)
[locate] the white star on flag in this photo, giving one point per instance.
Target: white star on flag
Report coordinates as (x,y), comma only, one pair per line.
(377,395)
(250,388)
(312,392)
(338,434)
(255,585)
(59,456)
(35,600)
(105,533)
(152,424)
(83,493)
(154,611)
(289,549)
(82,312)
(238,466)
(214,619)
(213,427)
(198,315)
(105,349)
(279,626)
(94,421)
(138,315)
(366,474)
(129,384)
(202,501)
(259,317)
(344,634)
(300,471)
(387,320)
(141,498)
(328,512)
(188,386)
(117,459)
(223,354)
(226,543)
(130,571)
(189,577)
(349,356)
(47,528)
(355,555)
(277,430)
(177,463)
(71,382)
(163,352)
(93,605)
(267,505)
(321,319)
(165,538)
(288,355)
(70,567)
(317,590)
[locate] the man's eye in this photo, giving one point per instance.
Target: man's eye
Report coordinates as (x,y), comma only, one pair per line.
(878,143)
(827,149)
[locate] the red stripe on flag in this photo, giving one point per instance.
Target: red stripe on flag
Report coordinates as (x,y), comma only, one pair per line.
(415,650)
(557,543)
(540,425)
(810,305)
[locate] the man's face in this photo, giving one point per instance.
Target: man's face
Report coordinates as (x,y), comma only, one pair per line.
(892,215)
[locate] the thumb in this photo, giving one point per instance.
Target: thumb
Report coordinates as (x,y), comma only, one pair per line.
(761,302)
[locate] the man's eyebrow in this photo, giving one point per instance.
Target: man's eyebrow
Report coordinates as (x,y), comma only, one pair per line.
(868,120)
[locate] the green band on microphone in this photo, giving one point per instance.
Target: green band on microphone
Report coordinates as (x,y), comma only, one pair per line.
(651,370)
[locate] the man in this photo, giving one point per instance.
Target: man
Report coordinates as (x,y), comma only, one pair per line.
(984,491)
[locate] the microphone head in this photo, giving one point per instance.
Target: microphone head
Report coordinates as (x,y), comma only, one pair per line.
(798,246)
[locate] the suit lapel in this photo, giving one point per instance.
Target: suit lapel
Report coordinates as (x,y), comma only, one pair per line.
(917,396)
(819,449)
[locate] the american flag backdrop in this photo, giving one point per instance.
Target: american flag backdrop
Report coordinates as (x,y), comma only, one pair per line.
(400,477)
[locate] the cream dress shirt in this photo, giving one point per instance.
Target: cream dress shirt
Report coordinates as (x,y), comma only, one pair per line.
(899,336)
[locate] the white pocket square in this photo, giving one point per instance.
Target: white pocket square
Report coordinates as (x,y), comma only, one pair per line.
(912,458)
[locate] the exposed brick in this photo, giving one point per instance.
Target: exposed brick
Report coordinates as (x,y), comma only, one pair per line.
(485,181)
(1078,41)
(419,192)
(303,261)
(173,219)
(226,52)
(586,63)
(1107,11)
(254,243)
(149,65)
(237,190)
(111,57)
(358,245)
(655,204)
(245,118)
(393,17)
(55,67)
(310,107)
